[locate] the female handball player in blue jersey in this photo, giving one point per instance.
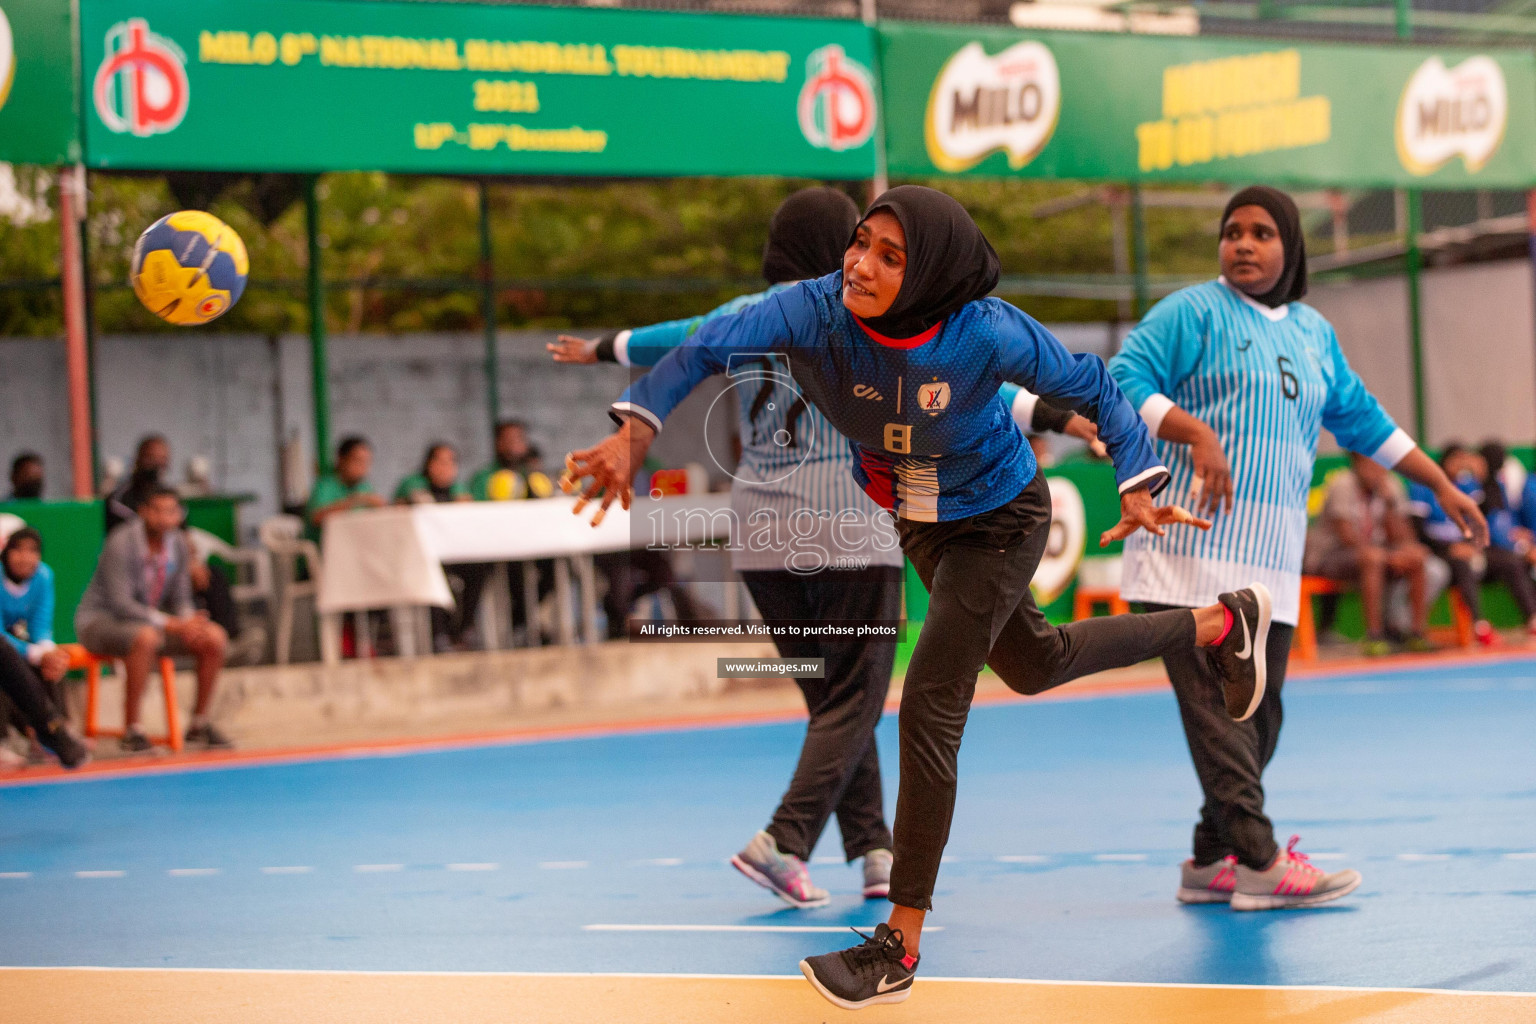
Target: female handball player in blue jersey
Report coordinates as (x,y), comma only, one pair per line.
(904,354)
(796,470)
(1237,369)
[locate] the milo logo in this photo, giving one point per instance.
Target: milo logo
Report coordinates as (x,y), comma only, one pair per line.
(980,105)
(1449,112)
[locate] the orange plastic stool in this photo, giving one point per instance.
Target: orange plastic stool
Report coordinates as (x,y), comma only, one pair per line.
(1459,632)
(1086,598)
(1306,625)
(79,657)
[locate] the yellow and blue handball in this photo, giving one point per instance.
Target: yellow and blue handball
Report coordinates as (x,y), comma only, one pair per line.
(189,268)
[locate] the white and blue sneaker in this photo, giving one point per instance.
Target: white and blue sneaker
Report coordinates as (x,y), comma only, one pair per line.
(782,874)
(877,970)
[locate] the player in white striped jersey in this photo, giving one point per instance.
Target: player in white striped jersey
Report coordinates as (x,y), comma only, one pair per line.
(1235,378)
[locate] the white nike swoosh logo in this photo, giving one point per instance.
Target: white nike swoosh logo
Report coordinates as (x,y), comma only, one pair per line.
(885,985)
(1247,651)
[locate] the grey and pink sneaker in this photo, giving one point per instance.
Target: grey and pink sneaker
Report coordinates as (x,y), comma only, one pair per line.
(782,874)
(1211,884)
(1290,881)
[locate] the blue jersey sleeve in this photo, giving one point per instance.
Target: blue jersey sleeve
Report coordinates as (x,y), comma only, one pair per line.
(1031,357)
(1354,416)
(1528,503)
(1159,355)
(781,321)
(645,346)
(41,623)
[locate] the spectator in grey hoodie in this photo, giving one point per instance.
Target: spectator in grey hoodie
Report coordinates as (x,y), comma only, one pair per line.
(139,606)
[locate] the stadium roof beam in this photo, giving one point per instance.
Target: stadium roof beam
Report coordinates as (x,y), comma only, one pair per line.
(1369,16)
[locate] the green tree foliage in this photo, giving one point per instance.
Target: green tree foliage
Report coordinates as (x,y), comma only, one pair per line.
(402,253)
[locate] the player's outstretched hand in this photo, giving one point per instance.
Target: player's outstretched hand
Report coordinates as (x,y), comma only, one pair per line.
(1212,490)
(1082,427)
(570,349)
(610,465)
(1138,513)
(1465,513)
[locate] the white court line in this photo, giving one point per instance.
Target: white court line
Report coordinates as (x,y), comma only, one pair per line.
(1331,855)
(480,866)
(1524,855)
(826,860)
(371,869)
(15,874)
(192,872)
(782,928)
(563,865)
(1119,857)
(100,874)
(293,869)
(1423,856)
(663,862)
(1022,858)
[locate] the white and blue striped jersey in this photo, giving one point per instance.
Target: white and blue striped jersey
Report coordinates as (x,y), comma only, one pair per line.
(796,470)
(1265,380)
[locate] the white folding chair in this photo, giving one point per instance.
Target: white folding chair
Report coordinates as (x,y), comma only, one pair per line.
(283,538)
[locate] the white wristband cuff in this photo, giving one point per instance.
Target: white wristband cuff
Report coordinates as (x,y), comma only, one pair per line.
(1148,477)
(636,410)
(1153,410)
(36,651)
(1394,449)
(621,347)
(1024,409)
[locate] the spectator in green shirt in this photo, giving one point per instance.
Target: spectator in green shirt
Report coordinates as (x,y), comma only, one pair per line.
(438,479)
(516,472)
(345,489)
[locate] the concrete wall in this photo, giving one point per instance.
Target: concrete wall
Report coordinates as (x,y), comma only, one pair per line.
(1479,325)
(236,399)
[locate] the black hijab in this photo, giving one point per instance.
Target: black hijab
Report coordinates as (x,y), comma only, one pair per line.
(808,235)
(1293,279)
(949,261)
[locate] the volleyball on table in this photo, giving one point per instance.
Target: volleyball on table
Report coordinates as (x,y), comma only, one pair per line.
(189,268)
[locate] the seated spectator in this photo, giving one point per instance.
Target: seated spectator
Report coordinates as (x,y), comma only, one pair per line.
(1469,568)
(150,461)
(138,607)
(26,613)
(19,685)
(1363,539)
(345,489)
(439,481)
(27,477)
(516,472)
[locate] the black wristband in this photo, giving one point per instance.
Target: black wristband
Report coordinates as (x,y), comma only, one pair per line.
(605,352)
(1049,417)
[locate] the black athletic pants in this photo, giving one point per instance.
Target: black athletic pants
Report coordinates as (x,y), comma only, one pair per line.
(26,691)
(1503,566)
(980,611)
(839,768)
(1230,757)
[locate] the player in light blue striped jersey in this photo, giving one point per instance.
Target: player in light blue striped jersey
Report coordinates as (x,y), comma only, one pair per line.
(1235,378)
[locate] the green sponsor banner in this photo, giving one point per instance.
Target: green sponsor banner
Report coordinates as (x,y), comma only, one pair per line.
(1001,102)
(311,85)
(38,120)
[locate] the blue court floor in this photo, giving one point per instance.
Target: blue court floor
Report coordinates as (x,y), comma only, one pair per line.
(609,854)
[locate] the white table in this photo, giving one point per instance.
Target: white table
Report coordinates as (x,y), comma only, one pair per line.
(393,558)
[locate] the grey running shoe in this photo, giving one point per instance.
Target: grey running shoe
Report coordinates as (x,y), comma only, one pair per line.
(783,874)
(1211,884)
(71,752)
(1240,655)
(877,874)
(135,742)
(1291,881)
(877,970)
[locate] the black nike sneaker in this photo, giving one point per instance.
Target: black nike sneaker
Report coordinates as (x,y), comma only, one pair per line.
(877,970)
(1240,656)
(71,752)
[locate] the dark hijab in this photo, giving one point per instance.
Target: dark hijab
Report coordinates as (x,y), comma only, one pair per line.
(1293,279)
(808,235)
(26,533)
(949,261)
